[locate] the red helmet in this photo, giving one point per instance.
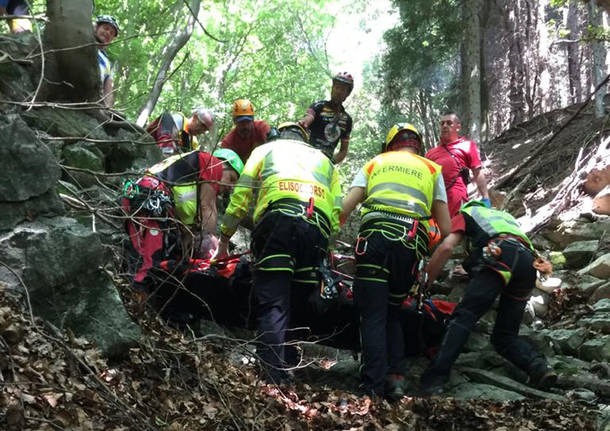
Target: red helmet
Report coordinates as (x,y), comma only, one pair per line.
(345,78)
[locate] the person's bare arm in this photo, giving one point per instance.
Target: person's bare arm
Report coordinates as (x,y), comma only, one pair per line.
(307,119)
(441,255)
(207,207)
(108,93)
(440,213)
(478,177)
(338,158)
(354,196)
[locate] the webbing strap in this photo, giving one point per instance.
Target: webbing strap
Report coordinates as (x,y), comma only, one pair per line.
(298,209)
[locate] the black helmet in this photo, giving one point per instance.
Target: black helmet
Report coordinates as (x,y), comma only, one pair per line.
(108,20)
(293,130)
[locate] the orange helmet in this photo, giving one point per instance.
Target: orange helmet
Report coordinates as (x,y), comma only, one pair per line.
(243,108)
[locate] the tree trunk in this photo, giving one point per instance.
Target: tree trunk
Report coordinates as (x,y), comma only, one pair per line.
(574,53)
(471,66)
(599,60)
(167,56)
(515,65)
(70,70)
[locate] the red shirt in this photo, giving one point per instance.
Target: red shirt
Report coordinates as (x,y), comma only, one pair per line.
(467,154)
(210,169)
(458,223)
(243,147)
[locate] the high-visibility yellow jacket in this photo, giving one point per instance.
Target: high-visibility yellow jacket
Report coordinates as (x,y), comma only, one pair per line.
(285,169)
(400,183)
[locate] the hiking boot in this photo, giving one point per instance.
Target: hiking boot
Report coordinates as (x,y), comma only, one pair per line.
(541,376)
(395,387)
(432,384)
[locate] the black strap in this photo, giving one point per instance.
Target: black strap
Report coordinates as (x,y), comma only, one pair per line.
(459,165)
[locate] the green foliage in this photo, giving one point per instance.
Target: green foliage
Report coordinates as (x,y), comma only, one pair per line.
(271,52)
(418,68)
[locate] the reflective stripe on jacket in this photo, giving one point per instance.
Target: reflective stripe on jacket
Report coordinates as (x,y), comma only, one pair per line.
(494,223)
(285,169)
(402,183)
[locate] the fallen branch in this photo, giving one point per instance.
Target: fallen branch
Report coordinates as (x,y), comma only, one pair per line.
(488,377)
(516,190)
(504,181)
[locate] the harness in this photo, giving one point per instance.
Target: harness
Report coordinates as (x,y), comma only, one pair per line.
(306,212)
(393,227)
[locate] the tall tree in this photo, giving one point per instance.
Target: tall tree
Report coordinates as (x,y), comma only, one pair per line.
(70,60)
(471,66)
(168,54)
(599,59)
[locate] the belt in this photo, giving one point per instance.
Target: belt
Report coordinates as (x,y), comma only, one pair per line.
(296,208)
(513,239)
(402,219)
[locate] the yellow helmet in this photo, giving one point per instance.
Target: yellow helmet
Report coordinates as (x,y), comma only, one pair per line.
(397,130)
(296,127)
(243,108)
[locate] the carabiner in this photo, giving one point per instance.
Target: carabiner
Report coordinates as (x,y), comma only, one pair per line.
(357,250)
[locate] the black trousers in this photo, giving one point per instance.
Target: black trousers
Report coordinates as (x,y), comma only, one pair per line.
(287,251)
(479,297)
(385,272)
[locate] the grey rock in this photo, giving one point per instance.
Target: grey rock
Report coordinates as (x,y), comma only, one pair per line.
(581,394)
(588,284)
(602,305)
(13,213)
(579,253)
(599,321)
(469,391)
(82,156)
(65,123)
(28,166)
(599,268)
(597,349)
(59,261)
(92,308)
(576,230)
(566,341)
(601,292)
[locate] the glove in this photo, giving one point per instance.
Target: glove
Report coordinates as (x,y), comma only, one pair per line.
(487,202)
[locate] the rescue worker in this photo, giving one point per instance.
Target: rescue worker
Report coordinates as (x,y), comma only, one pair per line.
(400,192)
(296,211)
(248,133)
(500,262)
(105,30)
(175,133)
(183,186)
(458,156)
(17,8)
(328,122)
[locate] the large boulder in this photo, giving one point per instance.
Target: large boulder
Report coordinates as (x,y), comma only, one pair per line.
(599,268)
(59,260)
(577,230)
(28,166)
(596,349)
(28,175)
(579,253)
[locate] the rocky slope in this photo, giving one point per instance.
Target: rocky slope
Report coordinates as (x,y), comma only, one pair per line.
(74,357)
